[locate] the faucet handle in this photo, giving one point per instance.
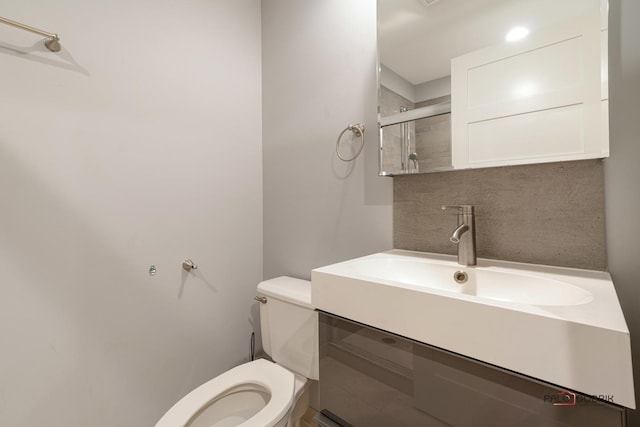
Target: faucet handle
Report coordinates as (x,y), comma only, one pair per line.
(462,209)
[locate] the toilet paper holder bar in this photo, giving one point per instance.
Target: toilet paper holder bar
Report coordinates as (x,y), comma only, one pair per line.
(189,265)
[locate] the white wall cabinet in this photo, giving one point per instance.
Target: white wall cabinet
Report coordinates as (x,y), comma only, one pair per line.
(542,99)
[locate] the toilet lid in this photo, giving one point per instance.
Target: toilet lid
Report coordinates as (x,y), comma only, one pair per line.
(277,380)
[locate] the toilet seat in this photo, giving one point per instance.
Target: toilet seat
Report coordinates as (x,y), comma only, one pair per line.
(278,381)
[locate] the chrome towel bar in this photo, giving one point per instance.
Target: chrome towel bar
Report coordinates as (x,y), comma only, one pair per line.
(53,41)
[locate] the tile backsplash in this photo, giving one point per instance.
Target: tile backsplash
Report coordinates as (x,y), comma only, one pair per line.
(550,213)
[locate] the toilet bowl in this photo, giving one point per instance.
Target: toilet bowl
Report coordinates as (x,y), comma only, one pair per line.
(255,394)
(261,393)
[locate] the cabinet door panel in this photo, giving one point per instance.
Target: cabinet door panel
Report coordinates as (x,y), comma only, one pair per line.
(538,100)
(369,378)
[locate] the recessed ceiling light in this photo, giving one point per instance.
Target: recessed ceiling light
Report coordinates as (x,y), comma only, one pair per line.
(517,33)
(428,2)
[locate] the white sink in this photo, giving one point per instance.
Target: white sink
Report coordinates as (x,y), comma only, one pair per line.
(481,282)
(560,325)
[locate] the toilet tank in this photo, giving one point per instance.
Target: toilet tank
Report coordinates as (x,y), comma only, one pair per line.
(290,325)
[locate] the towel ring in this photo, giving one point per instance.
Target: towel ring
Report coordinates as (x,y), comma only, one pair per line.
(358,129)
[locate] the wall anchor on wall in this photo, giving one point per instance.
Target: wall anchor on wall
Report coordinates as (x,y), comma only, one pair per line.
(53,41)
(189,265)
(358,130)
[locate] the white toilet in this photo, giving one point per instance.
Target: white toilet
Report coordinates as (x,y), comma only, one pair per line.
(262,393)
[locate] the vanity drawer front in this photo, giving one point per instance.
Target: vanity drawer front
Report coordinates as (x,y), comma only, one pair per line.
(370,377)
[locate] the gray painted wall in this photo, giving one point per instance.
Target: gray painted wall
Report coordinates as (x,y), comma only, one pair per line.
(116,153)
(622,169)
(318,209)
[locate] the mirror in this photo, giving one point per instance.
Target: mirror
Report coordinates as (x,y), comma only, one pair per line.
(483,83)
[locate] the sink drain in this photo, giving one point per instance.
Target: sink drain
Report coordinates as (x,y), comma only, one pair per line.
(460,276)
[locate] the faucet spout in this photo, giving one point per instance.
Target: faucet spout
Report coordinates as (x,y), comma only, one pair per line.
(465,234)
(458,232)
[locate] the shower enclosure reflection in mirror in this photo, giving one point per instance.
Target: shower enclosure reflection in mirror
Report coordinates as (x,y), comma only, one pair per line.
(483,83)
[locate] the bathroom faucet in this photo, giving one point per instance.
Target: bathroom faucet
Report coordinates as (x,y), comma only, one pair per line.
(464,234)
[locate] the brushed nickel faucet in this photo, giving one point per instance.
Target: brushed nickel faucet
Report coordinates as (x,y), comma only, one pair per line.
(464,234)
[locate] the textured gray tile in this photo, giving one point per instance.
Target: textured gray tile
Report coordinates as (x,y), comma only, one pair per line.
(549,213)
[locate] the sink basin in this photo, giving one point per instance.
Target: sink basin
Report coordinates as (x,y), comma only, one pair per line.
(560,325)
(480,282)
